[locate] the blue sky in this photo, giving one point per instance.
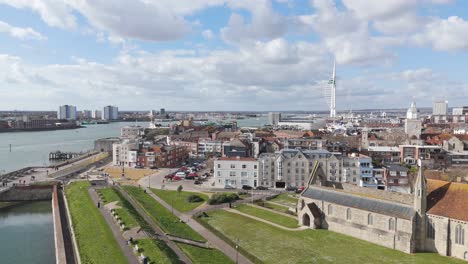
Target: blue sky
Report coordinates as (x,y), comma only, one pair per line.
(231,55)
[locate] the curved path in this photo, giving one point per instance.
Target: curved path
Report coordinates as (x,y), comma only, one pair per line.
(132,259)
(265,221)
(208,235)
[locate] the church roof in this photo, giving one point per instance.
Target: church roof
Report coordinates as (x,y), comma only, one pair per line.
(447,199)
(359,202)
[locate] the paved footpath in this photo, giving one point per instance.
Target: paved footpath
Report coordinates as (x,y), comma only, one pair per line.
(126,249)
(264,221)
(161,235)
(208,235)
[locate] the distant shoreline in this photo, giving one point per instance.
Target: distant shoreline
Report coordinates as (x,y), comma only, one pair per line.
(6,130)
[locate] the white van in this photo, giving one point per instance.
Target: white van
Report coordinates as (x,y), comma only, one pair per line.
(180,174)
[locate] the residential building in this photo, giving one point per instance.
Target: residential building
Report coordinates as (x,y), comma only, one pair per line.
(125,153)
(384,155)
(440,108)
(274,118)
(460,110)
(357,169)
(235,172)
(162,111)
(396,178)
(292,167)
(208,147)
(67,112)
(236,148)
(432,156)
(110,113)
(97,114)
(87,114)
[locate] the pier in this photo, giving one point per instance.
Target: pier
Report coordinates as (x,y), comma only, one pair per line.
(58,155)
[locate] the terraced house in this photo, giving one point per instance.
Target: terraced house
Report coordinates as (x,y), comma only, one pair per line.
(432,219)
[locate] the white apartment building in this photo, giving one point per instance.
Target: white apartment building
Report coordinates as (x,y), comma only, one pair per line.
(440,108)
(67,112)
(125,153)
(358,170)
(110,113)
(208,146)
(235,172)
(274,118)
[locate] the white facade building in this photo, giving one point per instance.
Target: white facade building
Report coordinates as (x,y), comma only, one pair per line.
(274,118)
(358,169)
(110,113)
(440,108)
(208,146)
(67,112)
(235,172)
(97,114)
(125,153)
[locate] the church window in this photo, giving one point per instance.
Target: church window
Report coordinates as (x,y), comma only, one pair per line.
(348,214)
(459,235)
(370,219)
(330,209)
(430,229)
(391,224)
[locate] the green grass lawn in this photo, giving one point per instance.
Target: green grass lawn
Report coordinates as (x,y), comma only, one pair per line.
(276,207)
(268,215)
(200,255)
(285,199)
(274,245)
(179,201)
(95,240)
(157,251)
(163,217)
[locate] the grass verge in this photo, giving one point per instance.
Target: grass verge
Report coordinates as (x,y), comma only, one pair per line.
(200,255)
(268,215)
(95,240)
(157,251)
(163,217)
(273,245)
(179,200)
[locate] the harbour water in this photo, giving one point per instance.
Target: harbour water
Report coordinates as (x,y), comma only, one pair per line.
(27,233)
(32,148)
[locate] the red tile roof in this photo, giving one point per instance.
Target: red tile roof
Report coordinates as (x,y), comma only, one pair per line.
(447,199)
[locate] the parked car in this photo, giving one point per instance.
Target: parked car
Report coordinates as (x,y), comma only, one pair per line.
(183,168)
(176,178)
(153,167)
(139,167)
(198,182)
(181,174)
(291,189)
(247,187)
(261,188)
(170,176)
(228,187)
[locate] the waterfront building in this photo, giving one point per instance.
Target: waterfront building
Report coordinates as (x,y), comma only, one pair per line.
(432,219)
(67,112)
(125,153)
(440,108)
(235,172)
(87,114)
(132,132)
(110,113)
(97,114)
(162,111)
(274,118)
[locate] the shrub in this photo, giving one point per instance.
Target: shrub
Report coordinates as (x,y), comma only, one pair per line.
(219,198)
(194,199)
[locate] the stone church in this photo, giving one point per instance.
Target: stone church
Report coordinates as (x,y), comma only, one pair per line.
(432,219)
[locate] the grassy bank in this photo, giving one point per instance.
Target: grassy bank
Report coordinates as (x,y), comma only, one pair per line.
(163,217)
(179,200)
(274,245)
(156,250)
(204,255)
(95,240)
(268,215)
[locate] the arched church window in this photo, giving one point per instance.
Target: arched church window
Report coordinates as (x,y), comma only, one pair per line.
(391,224)
(430,229)
(459,235)
(330,209)
(348,214)
(370,219)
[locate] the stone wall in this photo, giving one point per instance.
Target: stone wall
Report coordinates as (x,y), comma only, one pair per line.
(27,193)
(357,226)
(458,251)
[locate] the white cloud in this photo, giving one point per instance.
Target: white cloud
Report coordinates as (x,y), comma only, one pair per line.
(208,34)
(21,33)
(55,13)
(444,34)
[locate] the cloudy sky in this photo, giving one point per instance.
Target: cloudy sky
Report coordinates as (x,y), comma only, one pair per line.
(231,54)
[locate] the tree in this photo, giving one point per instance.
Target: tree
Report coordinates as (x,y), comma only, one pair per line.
(179,189)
